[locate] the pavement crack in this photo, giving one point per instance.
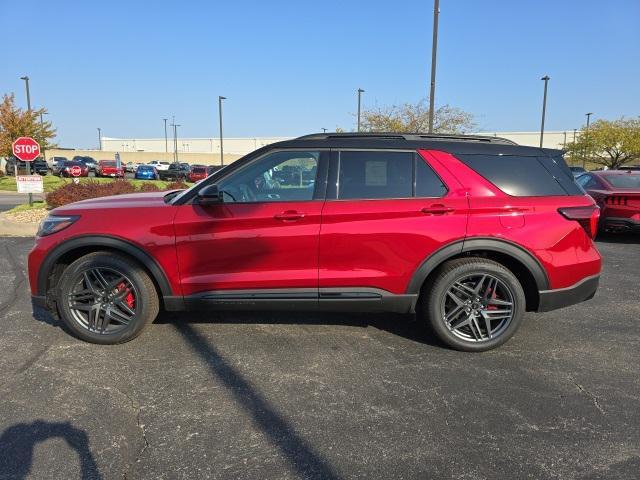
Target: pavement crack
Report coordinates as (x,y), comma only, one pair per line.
(143,432)
(593,397)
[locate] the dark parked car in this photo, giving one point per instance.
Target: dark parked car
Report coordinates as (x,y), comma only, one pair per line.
(176,171)
(617,192)
(88,161)
(633,168)
(69,168)
(211,169)
(146,172)
(467,232)
(38,166)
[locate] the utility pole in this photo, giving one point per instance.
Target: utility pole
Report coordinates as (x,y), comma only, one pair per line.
(175,139)
(26,81)
(586,141)
(434,53)
(220,99)
(99,138)
(166,144)
(544,107)
(360,92)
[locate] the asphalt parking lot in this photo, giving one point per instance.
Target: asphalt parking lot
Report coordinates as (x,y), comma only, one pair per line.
(269,395)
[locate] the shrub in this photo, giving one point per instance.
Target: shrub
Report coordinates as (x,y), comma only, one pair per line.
(176,186)
(72,192)
(149,187)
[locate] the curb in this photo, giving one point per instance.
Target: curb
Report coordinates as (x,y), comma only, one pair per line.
(9,228)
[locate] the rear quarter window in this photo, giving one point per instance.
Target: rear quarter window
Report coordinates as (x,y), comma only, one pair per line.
(521,176)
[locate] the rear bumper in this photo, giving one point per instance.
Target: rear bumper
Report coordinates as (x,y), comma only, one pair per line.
(585,289)
(621,223)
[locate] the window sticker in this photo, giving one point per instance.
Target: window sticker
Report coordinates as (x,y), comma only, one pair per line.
(375,174)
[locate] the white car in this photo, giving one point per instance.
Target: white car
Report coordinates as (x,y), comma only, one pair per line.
(131,167)
(159,165)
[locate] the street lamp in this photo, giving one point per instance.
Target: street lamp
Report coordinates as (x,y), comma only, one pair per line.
(586,140)
(99,138)
(360,92)
(220,99)
(175,139)
(324,130)
(26,81)
(434,52)
(166,144)
(544,107)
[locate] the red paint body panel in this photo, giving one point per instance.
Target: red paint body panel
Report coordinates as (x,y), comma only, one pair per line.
(616,202)
(236,246)
(108,168)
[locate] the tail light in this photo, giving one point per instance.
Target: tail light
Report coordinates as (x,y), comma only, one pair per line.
(586,216)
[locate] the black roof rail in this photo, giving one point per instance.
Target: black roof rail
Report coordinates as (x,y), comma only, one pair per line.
(410,137)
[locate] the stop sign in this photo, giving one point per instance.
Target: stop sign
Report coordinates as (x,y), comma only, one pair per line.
(76,171)
(26,149)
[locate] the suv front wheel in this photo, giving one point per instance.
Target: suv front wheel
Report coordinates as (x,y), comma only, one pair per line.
(474,304)
(106,298)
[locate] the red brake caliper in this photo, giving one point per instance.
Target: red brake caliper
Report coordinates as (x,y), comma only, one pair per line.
(129,298)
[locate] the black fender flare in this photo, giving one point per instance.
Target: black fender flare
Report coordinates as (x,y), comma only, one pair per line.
(468,245)
(113,243)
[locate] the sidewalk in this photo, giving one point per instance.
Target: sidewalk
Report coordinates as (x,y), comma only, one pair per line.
(9,228)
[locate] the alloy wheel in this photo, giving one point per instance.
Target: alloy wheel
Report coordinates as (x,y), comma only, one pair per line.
(478,307)
(103,300)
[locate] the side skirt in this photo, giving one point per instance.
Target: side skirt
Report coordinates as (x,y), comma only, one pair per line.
(348,299)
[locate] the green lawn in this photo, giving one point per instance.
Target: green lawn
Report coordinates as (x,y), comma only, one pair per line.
(51,182)
(25,207)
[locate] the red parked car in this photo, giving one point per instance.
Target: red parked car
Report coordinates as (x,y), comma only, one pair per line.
(617,192)
(467,232)
(109,168)
(197,173)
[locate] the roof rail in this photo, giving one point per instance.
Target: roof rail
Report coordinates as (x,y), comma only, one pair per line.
(410,137)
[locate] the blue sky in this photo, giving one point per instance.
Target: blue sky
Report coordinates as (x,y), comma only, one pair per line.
(290,68)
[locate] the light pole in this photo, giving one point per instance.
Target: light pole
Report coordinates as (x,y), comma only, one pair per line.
(99,138)
(324,130)
(360,92)
(175,139)
(434,52)
(544,107)
(26,81)
(586,140)
(166,143)
(220,99)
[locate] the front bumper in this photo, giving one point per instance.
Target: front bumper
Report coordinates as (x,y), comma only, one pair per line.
(585,289)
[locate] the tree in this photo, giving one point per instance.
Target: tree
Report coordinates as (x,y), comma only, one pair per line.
(414,118)
(15,122)
(610,143)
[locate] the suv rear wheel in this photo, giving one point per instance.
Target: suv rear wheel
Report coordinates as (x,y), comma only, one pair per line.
(106,298)
(474,304)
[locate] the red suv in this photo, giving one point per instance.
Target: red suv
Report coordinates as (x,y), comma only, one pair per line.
(467,232)
(109,168)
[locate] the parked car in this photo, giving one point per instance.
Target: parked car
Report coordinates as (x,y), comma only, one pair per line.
(108,168)
(146,172)
(160,165)
(197,173)
(577,171)
(65,168)
(51,161)
(38,166)
(88,161)
(131,167)
(211,169)
(467,232)
(617,192)
(176,171)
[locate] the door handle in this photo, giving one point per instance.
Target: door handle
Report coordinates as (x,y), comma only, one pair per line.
(437,209)
(289,216)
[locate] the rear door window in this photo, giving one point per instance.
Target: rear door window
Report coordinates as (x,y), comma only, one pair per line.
(374,175)
(517,176)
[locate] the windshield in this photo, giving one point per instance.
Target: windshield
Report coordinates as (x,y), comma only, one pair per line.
(108,163)
(623,181)
(199,170)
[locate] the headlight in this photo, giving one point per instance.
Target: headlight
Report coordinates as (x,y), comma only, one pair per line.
(54,223)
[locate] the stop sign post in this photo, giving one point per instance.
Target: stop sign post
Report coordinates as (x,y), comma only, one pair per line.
(27,150)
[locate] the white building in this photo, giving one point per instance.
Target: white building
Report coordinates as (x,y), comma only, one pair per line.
(244,145)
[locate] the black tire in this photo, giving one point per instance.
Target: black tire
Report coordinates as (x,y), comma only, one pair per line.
(146,297)
(434,298)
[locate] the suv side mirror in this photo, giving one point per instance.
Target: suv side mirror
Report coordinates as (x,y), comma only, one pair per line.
(210,195)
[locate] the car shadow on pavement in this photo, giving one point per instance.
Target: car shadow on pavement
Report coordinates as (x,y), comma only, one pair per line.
(295,449)
(17,444)
(618,238)
(403,325)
